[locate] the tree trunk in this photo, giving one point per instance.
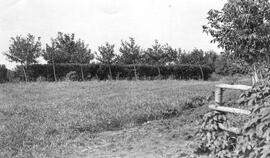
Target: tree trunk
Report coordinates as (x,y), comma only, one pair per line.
(201,71)
(135,72)
(25,76)
(54,74)
(110,72)
(82,72)
(159,73)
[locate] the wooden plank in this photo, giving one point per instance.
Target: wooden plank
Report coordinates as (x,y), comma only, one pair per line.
(229,129)
(229,109)
(218,95)
(237,87)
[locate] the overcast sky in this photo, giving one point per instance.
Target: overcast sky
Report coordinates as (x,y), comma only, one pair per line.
(176,22)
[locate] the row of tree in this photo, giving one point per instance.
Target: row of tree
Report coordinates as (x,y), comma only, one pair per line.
(66,49)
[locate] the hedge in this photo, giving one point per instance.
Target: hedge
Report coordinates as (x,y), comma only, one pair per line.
(3,74)
(101,71)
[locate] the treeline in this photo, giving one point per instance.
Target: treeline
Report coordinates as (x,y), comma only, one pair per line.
(65,56)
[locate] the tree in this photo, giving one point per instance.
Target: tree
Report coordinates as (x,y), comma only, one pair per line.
(171,54)
(49,55)
(81,55)
(210,58)
(107,55)
(24,50)
(159,55)
(130,54)
(65,49)
(197,58)
(242,29)
(182,57)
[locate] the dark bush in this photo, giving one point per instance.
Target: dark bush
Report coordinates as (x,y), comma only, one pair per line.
(72,76)
(3,74)
(101,72)
(41,79)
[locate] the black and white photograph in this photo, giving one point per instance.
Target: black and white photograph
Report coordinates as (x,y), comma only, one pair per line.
(134,79)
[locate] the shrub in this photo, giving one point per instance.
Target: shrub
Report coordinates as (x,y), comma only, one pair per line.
(215,77)
(72,76)
(3,74)
(41,79)
(254,137)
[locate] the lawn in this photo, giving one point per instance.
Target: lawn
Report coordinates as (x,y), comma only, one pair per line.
(38,119)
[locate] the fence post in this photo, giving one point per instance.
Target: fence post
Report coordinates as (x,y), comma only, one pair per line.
(218,95)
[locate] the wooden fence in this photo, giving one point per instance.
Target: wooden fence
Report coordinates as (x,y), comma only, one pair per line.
(218,106)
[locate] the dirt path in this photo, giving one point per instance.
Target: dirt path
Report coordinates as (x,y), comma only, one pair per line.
(164,138)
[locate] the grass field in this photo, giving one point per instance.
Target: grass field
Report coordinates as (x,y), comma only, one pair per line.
(39,119)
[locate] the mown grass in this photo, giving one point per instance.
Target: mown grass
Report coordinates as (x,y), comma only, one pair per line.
(39,119)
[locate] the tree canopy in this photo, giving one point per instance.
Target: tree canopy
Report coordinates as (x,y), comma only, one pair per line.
(160,54)
(130,52)
(65,49)
(242,29)
(106,54)
(24,50)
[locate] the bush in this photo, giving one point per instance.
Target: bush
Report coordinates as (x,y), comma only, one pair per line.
(3,74)
(253,139)
(41,79)
(215,77)
(101,72)
(72,76)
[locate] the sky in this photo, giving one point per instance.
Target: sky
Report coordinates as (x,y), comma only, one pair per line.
(176,22)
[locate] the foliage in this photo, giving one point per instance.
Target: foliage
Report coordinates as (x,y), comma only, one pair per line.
(216,142)
(72,76)
(82,53)
(197,56)
(160,54)
(41,79)
(254,139)
(242,28)
(210,58)
(3,74)
(107,56)
(130,52)
(65,49)
(225,66)
(61,49)
(101,71)
(24,51)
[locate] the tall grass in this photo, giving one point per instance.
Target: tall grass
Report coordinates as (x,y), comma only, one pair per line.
(39,119)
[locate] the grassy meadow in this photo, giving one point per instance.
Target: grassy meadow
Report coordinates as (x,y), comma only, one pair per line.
(39,119)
